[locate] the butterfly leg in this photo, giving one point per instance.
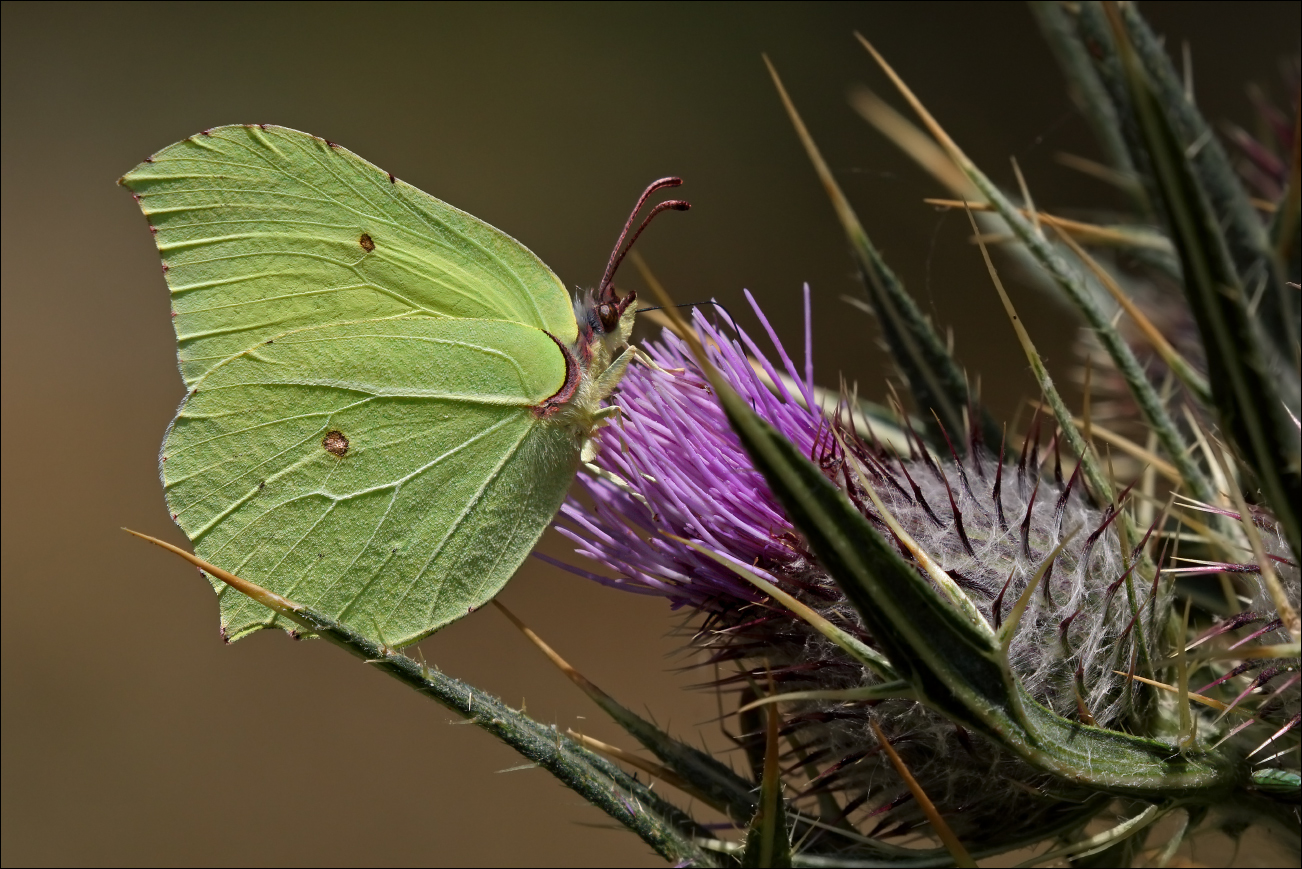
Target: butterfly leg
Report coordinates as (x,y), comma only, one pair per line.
(639,356)
(614,373)
(599,420)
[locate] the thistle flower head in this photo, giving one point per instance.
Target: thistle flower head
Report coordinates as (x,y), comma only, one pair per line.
(673,468)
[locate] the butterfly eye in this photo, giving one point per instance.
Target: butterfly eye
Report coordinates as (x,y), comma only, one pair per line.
(609,317)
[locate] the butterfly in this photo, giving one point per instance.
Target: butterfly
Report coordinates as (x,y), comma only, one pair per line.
(387,398)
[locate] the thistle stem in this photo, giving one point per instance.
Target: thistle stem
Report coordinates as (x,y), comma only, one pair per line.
(661,825)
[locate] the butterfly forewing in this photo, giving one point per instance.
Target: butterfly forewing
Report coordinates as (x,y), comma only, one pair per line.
(263,230)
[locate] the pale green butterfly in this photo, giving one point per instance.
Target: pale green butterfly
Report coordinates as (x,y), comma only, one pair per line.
(388,398)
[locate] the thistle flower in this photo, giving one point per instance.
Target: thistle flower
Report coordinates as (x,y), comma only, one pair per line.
(674,469)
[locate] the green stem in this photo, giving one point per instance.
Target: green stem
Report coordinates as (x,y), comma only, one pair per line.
(660,824)
(663,826)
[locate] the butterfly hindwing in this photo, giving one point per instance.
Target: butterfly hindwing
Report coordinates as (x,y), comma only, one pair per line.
(390,474)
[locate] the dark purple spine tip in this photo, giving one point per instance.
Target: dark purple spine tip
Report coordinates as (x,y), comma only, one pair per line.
(1045,584)
(958,463)
(1026,523)
(998,606)
(958,518)
(1061,507)
(996,492)
(1063,627)
(1057,461)
(976,443)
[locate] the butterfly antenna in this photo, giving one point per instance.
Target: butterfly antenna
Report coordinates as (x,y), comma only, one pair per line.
(621,250)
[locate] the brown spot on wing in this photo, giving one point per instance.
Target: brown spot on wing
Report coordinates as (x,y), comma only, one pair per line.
(335,442)
(367,243)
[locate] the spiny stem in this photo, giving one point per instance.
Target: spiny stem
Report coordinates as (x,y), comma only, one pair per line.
(660,824)
(717,785)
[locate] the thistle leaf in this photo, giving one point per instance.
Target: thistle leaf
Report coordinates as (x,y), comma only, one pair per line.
(1284,237)
(1104,841)
(1089,93)
(1245,238)
(1245,388)
(715,782)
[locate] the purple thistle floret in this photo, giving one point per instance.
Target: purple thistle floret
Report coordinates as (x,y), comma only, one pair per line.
(675,450)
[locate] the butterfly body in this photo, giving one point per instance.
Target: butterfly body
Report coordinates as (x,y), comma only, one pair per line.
(387,397)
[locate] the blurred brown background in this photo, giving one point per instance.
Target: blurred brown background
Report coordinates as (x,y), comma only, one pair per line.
(130,733)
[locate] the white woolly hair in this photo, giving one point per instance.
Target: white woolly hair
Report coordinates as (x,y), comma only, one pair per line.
(1085,620)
